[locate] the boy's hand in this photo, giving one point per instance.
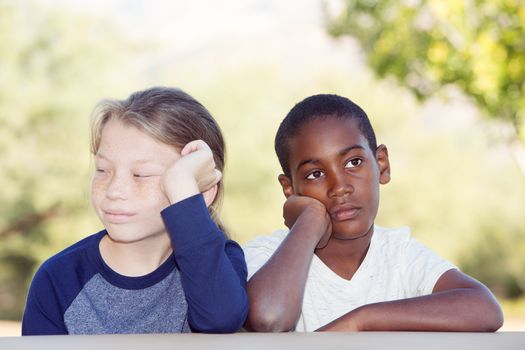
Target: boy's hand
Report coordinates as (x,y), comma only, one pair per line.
(194,172)
(298,206)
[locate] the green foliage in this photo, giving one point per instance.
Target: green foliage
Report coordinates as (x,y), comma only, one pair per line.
(53,71)
(479,46)
(490,259)
(47,88)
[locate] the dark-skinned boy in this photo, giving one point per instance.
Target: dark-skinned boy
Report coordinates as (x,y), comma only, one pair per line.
(332,172)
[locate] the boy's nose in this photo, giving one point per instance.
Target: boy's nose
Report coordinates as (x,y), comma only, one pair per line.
(117,188)
(340,186)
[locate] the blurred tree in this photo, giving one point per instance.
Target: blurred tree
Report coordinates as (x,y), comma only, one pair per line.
(491,260)
(47,88)
(477,46)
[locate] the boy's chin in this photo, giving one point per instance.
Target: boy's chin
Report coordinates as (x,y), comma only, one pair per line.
(350,233)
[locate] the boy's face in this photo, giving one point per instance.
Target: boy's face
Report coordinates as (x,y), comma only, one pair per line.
(331,161)
(126,191)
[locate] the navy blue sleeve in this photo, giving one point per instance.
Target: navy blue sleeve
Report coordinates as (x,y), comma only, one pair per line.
(213,269)
(43,314)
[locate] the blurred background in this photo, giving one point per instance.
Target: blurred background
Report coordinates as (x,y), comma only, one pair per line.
(442,82)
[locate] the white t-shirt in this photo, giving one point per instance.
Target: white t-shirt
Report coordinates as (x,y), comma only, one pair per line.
(395,267)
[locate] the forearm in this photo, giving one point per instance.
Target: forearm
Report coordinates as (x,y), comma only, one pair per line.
(462,309)
(215,288)
(213,271)
(276,290)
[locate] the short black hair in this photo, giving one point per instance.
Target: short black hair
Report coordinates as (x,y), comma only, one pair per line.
(314,107)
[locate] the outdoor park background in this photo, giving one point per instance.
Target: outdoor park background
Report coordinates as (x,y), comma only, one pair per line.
(441,81)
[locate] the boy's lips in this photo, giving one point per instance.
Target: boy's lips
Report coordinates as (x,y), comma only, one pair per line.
(344,212)
(117,216)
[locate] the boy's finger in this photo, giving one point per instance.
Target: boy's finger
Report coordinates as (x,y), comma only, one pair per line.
(210,180)
(193,146)
(218,175)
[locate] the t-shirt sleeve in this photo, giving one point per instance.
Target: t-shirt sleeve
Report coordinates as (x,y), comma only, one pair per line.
(42,314)
(423,268)
(213,269)
(260,250)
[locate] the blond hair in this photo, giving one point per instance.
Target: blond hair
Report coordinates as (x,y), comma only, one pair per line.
(170,116)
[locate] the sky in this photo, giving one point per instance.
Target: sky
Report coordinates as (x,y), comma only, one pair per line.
(290,33)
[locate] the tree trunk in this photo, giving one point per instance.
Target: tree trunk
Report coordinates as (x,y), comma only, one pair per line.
(30,220)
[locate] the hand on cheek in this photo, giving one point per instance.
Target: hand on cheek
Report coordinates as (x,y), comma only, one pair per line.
(194,172)
(297,206)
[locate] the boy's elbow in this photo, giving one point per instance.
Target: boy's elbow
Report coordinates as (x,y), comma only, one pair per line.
(220,322)
(222,326)
(267,321)
(266,325)
(492,319)
(491,325)
(495,321)
(495,325)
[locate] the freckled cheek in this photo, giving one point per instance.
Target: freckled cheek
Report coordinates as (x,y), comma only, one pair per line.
(98,190)
(150,192)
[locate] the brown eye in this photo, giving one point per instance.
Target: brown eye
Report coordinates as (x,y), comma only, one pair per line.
(314,175)
(352,163)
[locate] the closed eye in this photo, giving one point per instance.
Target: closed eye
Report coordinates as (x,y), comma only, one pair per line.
(314,175)
(354,162)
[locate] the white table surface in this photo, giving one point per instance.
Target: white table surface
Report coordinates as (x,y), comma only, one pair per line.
(288,341)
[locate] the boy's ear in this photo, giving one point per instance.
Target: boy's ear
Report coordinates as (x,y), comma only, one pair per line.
(383,163)
(209,195)
(286,184)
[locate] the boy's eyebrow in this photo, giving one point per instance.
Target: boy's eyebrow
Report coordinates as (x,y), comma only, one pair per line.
(341,153)
(100,155)
(139,161)
(145,161)
(350,148)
